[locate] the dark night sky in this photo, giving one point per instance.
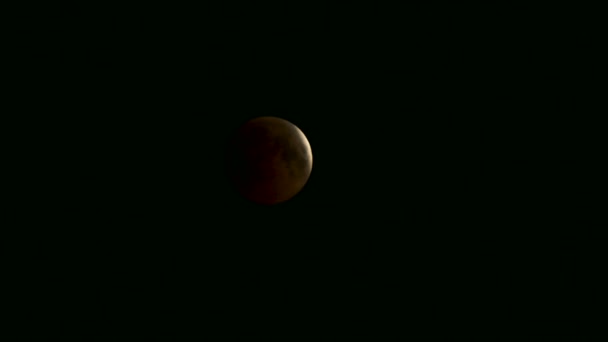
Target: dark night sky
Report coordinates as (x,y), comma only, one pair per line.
(429,210)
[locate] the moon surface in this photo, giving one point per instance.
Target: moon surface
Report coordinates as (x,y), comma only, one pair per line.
(269,160)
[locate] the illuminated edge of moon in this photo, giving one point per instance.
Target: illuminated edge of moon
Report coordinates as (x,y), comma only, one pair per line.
(306,144)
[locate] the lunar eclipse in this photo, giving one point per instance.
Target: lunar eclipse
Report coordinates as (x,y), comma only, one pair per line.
(268,160)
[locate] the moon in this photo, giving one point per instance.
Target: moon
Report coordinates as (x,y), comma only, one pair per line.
(269,160)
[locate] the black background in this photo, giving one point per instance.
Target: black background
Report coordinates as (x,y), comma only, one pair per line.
(433,207)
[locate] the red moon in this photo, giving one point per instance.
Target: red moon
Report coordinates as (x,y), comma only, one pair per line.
(269,160)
